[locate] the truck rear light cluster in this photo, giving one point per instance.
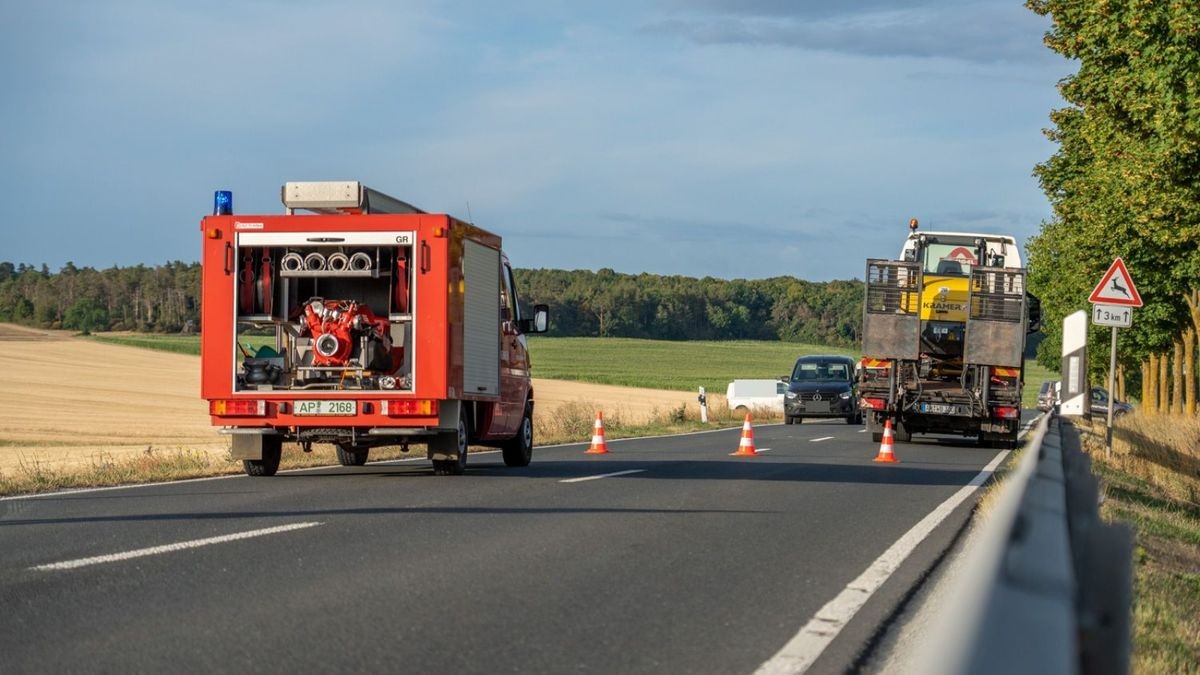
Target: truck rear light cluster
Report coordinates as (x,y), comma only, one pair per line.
(416,407)
(874,403)
(1007,412)
(238,408)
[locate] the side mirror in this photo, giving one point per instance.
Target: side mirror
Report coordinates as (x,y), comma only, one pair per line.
(540,323)
(1035,313)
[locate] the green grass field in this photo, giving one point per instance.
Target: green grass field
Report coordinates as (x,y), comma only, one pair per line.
(657,364)
(662,364)
(179,344)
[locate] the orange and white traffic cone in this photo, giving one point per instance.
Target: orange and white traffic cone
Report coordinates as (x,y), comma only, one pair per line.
(886,453)
(746,445)
(599,447)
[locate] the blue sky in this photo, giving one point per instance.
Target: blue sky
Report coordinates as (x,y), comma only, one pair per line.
(747,138)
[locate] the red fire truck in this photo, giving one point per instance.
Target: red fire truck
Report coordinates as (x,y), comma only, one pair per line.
(362,322)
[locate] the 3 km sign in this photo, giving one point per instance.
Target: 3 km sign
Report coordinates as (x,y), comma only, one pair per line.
(1113,300)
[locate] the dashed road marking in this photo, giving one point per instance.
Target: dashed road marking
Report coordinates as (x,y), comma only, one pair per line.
(603,475)
(169,548)
(823,438)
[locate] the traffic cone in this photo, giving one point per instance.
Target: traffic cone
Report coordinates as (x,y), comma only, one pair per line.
(885,446)
(746,445)
(599,447)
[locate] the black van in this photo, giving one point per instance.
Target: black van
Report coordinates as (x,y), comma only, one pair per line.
(822,386)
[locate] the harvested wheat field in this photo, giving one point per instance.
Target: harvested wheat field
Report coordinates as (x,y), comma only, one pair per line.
(71,402)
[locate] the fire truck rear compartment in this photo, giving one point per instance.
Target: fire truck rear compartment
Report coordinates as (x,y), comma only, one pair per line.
(317,316)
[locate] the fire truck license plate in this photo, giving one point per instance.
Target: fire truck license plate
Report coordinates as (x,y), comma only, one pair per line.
(326,408)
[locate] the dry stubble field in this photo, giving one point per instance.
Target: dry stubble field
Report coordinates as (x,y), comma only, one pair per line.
(70,402)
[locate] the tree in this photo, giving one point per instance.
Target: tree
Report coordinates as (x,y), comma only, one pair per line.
(1123,179)
(85,315)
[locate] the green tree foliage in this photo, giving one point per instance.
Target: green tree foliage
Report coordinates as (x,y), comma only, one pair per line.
(583,303)
(161,298)
(1125,180)
(610,304)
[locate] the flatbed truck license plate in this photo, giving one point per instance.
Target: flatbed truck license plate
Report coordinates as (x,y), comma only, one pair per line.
(326,408)
(940,409)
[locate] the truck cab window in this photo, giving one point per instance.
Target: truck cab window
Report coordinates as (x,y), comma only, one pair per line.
(508,298)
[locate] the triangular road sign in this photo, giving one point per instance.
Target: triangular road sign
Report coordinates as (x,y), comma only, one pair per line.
(1116,287)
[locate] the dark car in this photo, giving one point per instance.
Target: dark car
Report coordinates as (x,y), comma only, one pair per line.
(822,386)
(1100,404)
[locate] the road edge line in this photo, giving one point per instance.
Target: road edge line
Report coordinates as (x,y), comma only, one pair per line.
(803,649)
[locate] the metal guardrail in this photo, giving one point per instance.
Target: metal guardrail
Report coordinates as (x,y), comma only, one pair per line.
(1046,585)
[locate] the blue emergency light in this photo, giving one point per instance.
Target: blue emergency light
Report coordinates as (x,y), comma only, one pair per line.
(222,203)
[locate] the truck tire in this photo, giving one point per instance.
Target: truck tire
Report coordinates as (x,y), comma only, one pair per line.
(518,451)
(454,467)
(788,419)
(349,455)
(272,452)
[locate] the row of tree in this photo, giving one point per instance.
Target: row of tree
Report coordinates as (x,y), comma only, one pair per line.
(1124,182)
(609,304)
(166,298)
(163,298)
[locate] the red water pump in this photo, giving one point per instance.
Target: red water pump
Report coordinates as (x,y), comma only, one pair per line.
(336,326)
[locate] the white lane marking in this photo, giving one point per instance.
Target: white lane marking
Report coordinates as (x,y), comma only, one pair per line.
(603,475)
(823,438)
(762,449)
(862,431)
(803,649)
(169,548)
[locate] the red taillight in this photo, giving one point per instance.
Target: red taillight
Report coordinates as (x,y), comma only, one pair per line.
(1007,413)
(874,403)
(418,407)
(238,408)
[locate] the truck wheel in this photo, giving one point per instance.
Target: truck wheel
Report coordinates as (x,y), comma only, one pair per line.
(349,455)
(454,467)
(853,419)
(272,451)
(518,451)
(788,419)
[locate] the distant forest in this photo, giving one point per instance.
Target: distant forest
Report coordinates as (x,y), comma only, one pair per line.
(166,299)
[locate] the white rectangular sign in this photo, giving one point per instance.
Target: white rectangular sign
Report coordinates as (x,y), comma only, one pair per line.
(1112,315)
(1076,392)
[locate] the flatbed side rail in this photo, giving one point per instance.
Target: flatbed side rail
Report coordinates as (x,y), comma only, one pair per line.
(892,310)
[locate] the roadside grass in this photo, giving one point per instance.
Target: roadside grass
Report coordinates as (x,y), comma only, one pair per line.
(570,422)
(1152,481)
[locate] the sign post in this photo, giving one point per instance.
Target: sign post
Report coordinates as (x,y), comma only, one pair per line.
(1113,301)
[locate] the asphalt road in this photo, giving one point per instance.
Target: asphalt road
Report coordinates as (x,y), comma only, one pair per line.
(691,561)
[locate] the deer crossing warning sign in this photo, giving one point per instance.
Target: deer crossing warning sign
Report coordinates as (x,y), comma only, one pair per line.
(1116,287)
